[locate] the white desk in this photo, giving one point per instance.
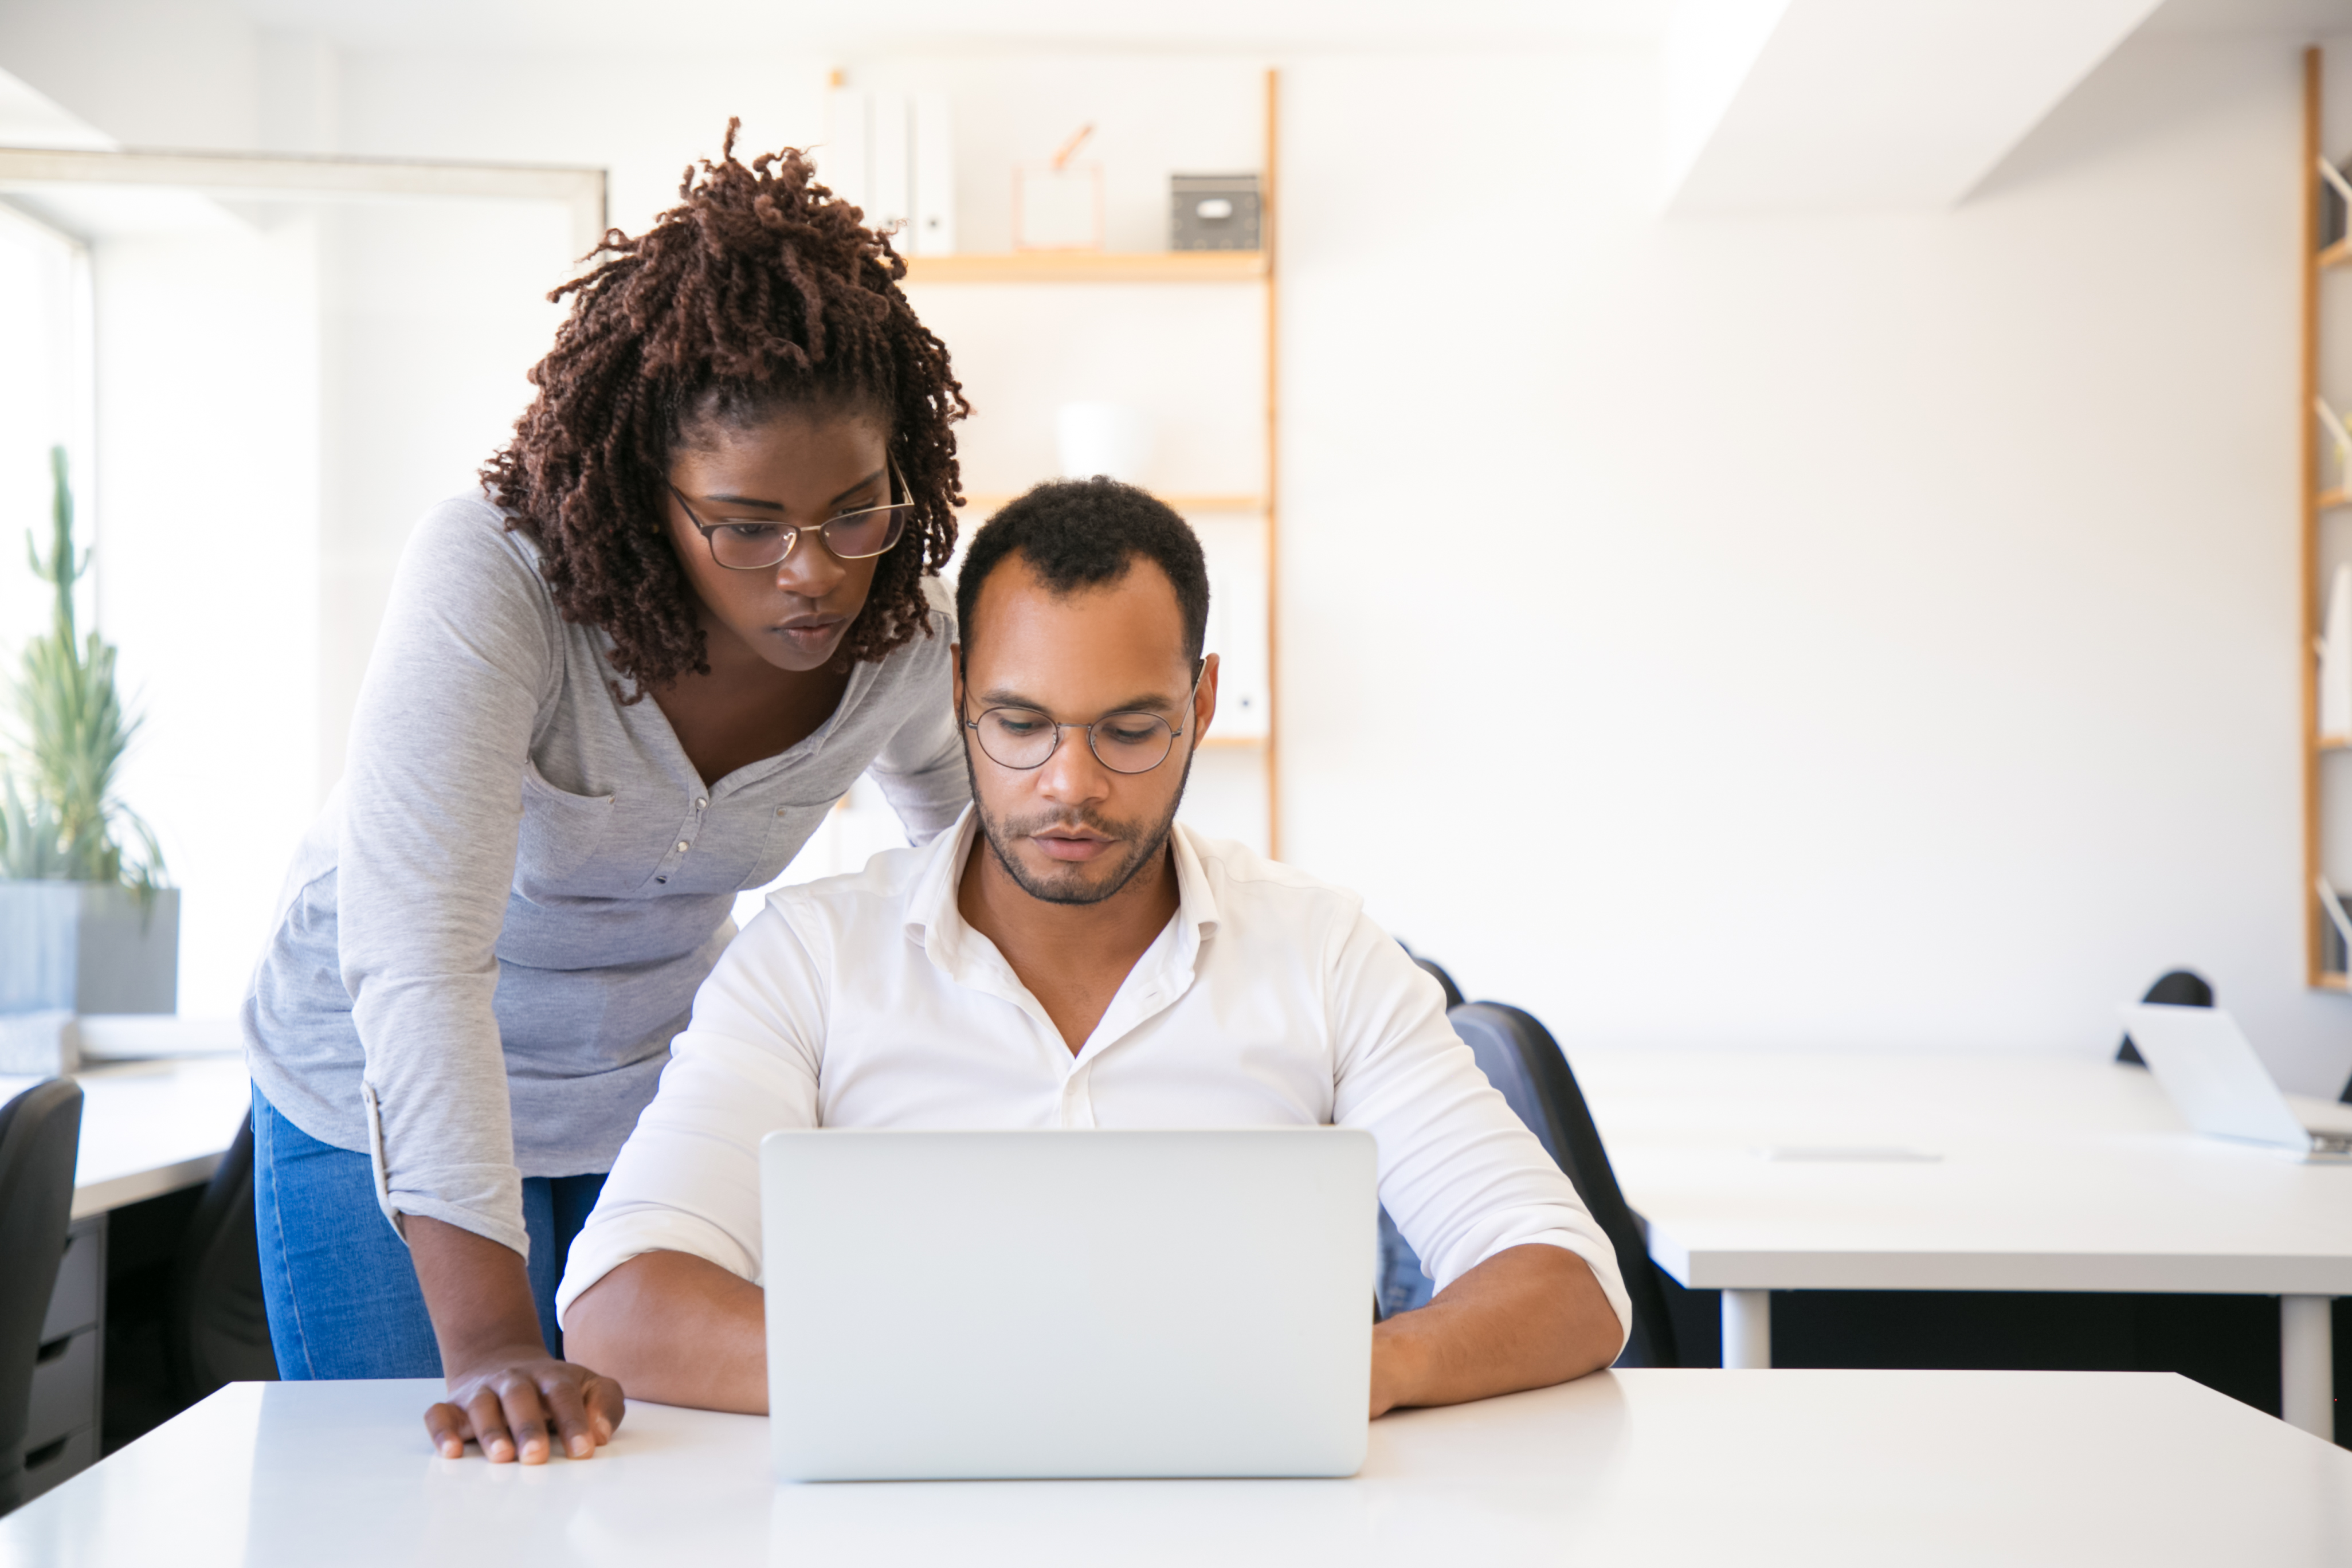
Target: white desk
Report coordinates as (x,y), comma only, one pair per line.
(151,1128)
(147,1128)
(1753,1173)
(1817,1468)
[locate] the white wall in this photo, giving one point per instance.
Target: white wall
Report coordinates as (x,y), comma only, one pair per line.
(1869,633)
(207,565)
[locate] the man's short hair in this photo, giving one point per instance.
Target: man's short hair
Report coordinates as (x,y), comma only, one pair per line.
(1083,533)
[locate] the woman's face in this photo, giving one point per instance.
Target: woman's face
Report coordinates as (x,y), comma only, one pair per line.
(799,467)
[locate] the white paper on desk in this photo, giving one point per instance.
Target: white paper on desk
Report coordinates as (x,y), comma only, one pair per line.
(2335,659)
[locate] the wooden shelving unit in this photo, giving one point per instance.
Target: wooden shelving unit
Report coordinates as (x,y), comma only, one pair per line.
(985,504)
(1093,266)
(1205,267)
(2316,504)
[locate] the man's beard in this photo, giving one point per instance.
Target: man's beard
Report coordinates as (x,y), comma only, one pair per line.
(1144,847)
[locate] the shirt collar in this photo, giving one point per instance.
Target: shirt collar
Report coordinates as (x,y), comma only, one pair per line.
(935,924)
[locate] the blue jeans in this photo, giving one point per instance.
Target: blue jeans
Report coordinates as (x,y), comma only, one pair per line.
(342,1292)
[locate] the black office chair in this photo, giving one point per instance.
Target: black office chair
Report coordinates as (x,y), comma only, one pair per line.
(1436,972)
(1402,1285)
(40,1134)
(2179,988)
(1520,1059)
(218,1330)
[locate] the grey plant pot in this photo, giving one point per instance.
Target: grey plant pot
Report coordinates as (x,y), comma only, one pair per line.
(87,947)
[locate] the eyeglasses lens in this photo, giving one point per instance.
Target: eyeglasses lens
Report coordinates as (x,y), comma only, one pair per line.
(1132,743)
(868,532)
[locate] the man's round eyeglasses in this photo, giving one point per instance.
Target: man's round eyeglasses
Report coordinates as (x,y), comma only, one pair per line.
(1024,739)
(755,544)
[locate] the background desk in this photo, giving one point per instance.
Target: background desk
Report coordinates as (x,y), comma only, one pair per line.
(148,1129)
(1816,1467)
(1762,1172)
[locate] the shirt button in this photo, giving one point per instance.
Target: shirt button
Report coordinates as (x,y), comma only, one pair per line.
(700,803)
(681,845)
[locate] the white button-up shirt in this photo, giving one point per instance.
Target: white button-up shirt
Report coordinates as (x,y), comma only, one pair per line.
(1269,1000)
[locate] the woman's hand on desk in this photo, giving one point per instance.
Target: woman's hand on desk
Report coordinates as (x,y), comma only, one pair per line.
(505,1390)
(507,1401)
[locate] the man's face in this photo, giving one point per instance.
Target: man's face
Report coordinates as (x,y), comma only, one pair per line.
(1071,830)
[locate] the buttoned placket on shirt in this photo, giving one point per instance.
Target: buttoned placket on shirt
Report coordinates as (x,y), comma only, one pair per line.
(750,777)
(1157,983)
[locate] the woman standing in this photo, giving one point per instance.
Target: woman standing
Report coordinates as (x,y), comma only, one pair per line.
(697,599)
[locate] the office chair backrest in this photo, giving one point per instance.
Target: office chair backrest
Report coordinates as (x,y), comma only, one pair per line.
(218,1331)
(1436,972)
(1402,1285)
(2177,988)
(40,1134)
(1520,1059)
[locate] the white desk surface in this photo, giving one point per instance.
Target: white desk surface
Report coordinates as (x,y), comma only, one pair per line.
(2049,1174)
(151,1128)
(1818,1468)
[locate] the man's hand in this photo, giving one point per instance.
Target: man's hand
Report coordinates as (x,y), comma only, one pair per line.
(505,1391)
(1526,1318)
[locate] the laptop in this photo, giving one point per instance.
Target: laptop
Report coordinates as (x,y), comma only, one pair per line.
(1061,1304)
(2210,1073)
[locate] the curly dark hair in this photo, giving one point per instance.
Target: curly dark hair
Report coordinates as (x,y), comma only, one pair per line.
(759,290)
(1083,533)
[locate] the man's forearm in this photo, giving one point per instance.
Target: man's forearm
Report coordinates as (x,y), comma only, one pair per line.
(1526,1318)
(677,1330)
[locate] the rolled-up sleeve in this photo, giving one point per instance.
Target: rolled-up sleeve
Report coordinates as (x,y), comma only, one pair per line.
(689,1178)
(432,808)
(1460,1174)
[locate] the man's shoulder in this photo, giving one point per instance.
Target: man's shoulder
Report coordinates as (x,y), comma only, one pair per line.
(879,890)
(1246,885)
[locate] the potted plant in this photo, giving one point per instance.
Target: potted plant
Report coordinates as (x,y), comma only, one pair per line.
(84,928)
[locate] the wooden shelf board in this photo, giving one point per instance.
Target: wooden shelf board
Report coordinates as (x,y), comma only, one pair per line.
(2332,743)
(1091,266)
(990,502)
(2328,500)
(1233,742)
(2337,253)
(2331,980)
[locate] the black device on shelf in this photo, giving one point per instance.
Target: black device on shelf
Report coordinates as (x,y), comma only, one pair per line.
(1213,212)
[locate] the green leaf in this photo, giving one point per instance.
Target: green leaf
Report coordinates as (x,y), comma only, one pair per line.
(71,734)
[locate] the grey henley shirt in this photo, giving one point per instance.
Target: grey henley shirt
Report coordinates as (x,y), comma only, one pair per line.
(501,916)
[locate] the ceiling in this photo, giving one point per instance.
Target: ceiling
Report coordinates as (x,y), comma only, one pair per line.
(902,26)
(2304,19)
(916,26)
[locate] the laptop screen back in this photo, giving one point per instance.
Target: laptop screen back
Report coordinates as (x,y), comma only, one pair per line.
(966,1305)
(2210,1073)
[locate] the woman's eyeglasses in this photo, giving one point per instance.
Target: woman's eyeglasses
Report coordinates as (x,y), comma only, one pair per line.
(753,544)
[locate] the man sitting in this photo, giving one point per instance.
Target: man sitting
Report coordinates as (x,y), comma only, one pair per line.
(1073,956)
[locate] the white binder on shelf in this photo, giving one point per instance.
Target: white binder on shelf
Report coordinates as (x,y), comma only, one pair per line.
(933,231)
(889,166)
(843,161)
(2342,438)
(2335,661)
